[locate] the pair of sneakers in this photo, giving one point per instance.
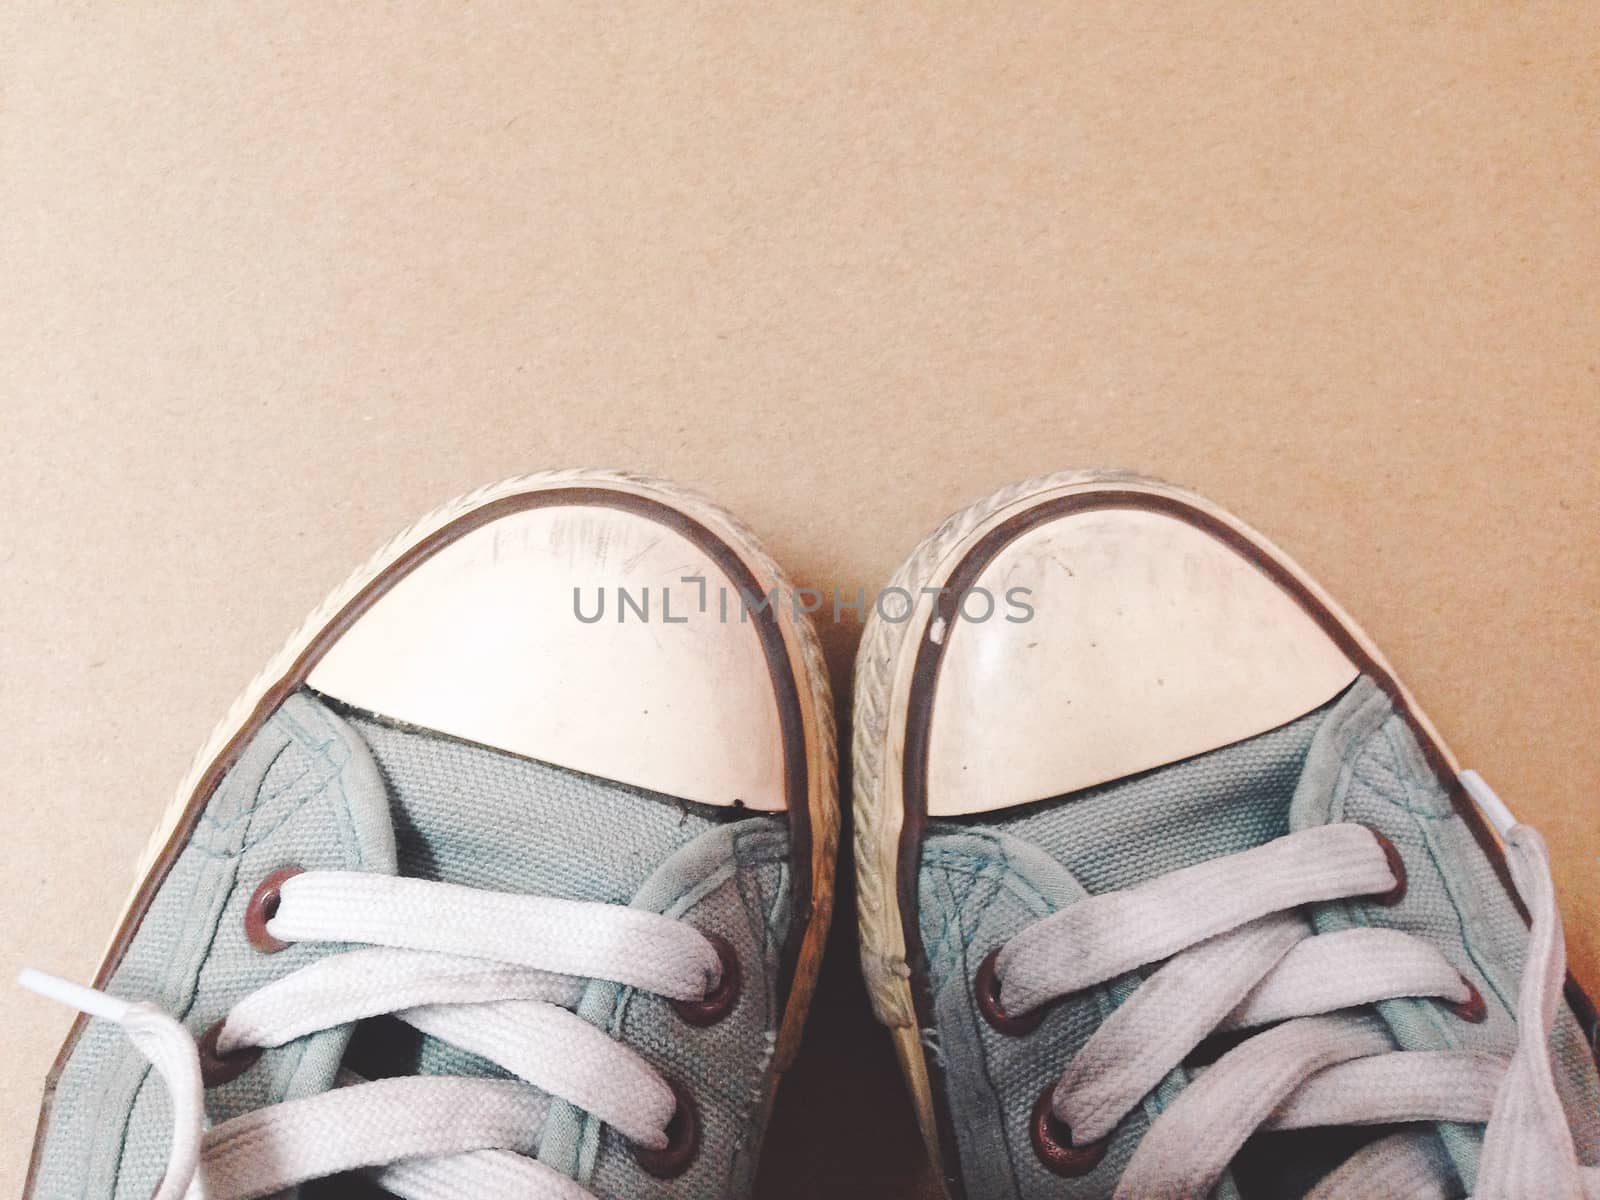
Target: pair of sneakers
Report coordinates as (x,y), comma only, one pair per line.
(510,877)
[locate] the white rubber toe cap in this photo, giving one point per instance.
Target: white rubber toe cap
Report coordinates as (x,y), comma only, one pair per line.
(495,638)
(1151,640)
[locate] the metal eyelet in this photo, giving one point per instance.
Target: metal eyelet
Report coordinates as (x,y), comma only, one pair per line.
(263,907)
(1472,1010)
(1052,1141)
(723,999)
(217,1068)
(986,990)
(1397,865)
(683,1139)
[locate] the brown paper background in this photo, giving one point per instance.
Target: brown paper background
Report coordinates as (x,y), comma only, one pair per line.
(276,280)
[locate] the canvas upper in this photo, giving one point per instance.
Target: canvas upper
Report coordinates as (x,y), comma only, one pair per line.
(322,789)
(510,874)
(984,879)
(1169,889)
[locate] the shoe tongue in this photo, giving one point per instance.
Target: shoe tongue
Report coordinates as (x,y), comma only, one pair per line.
(1347,757)
(1365,766)
(1352,760)
(467,814)
(1286,778)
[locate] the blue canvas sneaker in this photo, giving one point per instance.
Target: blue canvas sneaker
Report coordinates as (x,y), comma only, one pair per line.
(508,877)
(1169,889)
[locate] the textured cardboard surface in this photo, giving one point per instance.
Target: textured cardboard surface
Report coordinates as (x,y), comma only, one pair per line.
(273,283)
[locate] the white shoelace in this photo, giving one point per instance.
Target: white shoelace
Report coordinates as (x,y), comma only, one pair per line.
(490,973)
(1239,958)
